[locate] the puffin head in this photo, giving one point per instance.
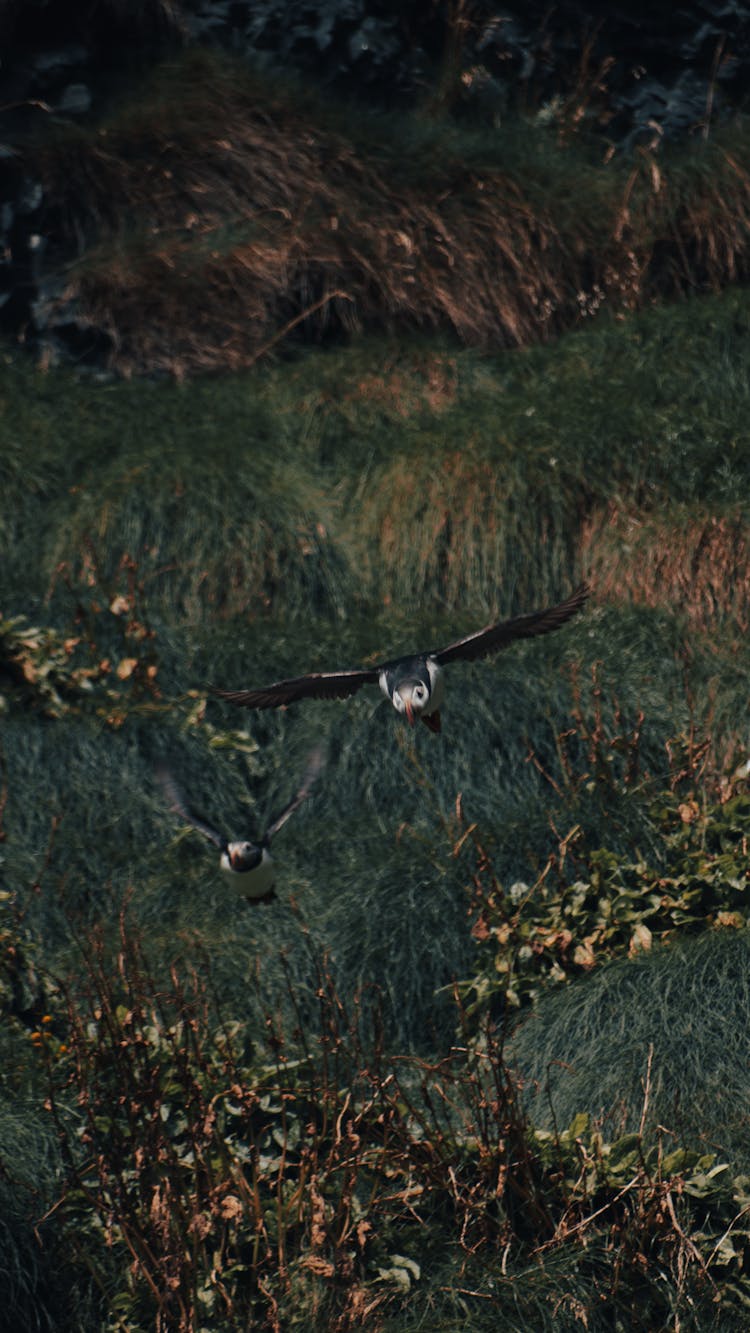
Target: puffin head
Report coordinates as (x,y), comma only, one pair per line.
(411,698)
(243,856)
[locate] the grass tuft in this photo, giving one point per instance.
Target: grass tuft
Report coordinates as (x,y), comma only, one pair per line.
(681,1011)
(222,192)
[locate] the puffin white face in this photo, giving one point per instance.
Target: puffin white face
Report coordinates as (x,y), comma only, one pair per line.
(411,699)
(250,868)
(242,856)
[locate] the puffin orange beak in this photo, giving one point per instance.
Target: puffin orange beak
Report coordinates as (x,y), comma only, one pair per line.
(409,711)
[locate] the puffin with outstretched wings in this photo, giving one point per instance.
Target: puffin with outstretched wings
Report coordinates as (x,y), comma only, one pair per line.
(249,864)
(414,684)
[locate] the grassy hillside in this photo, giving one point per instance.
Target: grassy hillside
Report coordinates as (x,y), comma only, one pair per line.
(327,511)
(218,212)
(422,474)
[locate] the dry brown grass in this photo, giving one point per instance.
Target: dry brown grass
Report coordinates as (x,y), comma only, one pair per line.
(684,560)
(216,216)
(455,526)
(395,388)
(316,220)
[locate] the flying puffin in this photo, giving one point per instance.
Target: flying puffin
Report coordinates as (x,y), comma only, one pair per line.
(413,684)
(249,864)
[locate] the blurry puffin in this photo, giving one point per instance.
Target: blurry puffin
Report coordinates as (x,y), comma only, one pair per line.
(413,684)
(249,864)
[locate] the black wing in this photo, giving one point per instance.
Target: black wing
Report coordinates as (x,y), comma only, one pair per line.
(319,685)
(315,764)
(177,802)
(495,637)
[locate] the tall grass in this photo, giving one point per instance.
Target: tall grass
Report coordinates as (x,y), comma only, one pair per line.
(220,191)
(679,1013)
(394,475)
(36,1290)
(353,506)
(369,859)
(694,555)
(356,504)
(315,1184)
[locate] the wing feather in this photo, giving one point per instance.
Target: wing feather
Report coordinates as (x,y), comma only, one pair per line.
(179,806)
(319,685)
(495,637)
(313,770)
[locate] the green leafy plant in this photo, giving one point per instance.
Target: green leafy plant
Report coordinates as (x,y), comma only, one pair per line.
(609,905)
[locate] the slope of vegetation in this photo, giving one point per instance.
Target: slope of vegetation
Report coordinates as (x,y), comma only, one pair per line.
(427,475)
(585,803)
(220,212)
(482,1063)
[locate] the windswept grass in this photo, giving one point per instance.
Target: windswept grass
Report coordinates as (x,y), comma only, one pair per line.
(395,475)
(340,509)
(221,211)
(676,1018)
(369,860)
(698,560)
(36,1290)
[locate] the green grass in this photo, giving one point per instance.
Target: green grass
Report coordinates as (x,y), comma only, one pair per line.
(555,1295)
(330,512)
(334,510)
(35,1288)
(368,860)
(685,1009)
(385,471)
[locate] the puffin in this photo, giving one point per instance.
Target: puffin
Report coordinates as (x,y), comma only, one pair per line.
(249,864)
(414,684)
